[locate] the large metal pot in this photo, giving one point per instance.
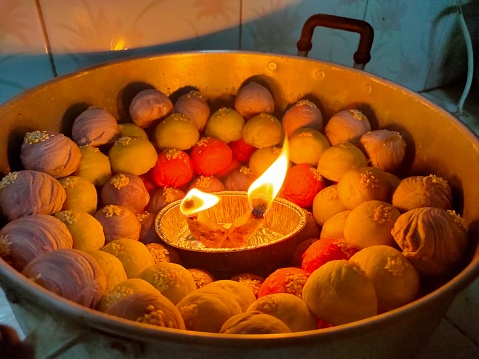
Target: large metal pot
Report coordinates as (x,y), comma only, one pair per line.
(437,143)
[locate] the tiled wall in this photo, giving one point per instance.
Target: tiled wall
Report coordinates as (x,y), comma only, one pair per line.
(417,43)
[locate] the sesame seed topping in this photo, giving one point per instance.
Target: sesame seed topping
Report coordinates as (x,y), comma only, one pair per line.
(459,220)
(316,174)
(36,136)
(119,180)
(437,180)
(89,148)
(172,154)
(305,103)
(358,115)
(396,266)
(68,182)
(159,254)
(154,316)
(382,214)
(111,210)
(330,192)
(125,140)
(5,246)
(169,194)
(67,216)
(203,141)
(203,182)
(245,170)
(200,279)
(294,283)
(305,133)
(8,179)
(142,216)
(368,180)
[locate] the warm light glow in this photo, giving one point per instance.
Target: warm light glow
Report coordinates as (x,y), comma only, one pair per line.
(265,188)
(120,45)
(196,201)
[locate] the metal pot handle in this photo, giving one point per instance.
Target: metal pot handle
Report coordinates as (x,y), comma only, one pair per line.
(364,29)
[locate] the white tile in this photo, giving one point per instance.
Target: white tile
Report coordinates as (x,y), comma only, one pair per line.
(408,37)
(86,32)
(275,26)
(24,61)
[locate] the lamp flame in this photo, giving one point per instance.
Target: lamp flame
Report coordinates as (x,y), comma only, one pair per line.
(264,189)
(196,201)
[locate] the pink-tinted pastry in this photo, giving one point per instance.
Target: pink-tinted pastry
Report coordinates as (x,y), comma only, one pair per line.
(118,222)
(162,197)
(253,99)
(50,152)
(95,126)
(70,273)
(303,113)
(195,107)
(127,190)
(26,238)
(239,179)
(207,184)
(254,322)
(149,106)
(201,277)
(161,252)
(30,192)
(147,232)
(149,308)
(234,165)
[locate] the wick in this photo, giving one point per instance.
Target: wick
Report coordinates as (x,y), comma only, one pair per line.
(189,203)
(259,207)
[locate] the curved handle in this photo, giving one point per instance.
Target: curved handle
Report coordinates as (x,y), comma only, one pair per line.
(366,35)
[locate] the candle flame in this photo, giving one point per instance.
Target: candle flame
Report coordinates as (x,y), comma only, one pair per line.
(196,201)
(264,189)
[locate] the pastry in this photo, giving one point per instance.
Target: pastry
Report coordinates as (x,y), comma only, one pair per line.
(81,194)
(50,152)
(27,192)
(134,255)
(87,232)
(174,168)
(210,156)
(26,238)
(127,190)
(118,222)
(95,126)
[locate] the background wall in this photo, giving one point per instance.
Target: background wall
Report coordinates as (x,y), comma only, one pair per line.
(417,43)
